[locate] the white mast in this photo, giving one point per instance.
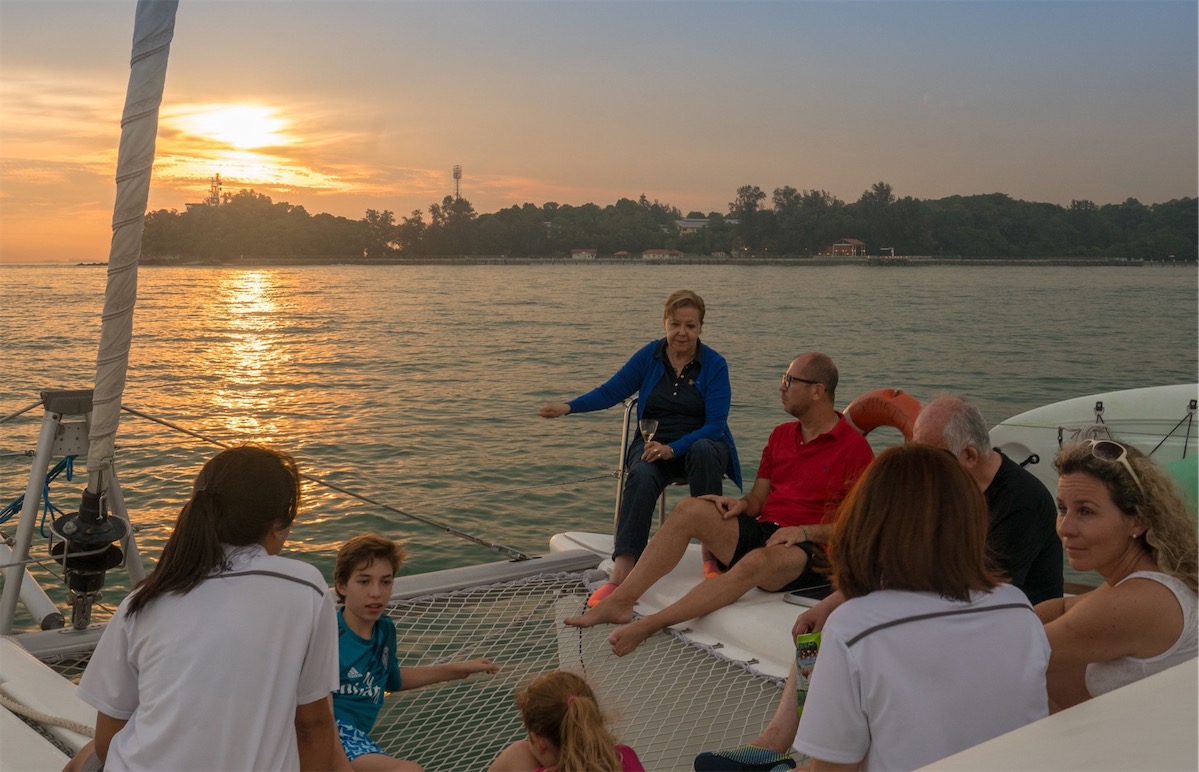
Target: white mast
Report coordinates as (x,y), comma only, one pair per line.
(153,29)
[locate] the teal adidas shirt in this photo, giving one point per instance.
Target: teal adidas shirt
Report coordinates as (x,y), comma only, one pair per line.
(368,668)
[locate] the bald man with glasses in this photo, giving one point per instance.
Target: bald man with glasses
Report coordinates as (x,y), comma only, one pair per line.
(774,537)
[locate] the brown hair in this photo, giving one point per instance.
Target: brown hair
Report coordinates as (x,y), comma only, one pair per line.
(362,550)
(240,495)
(914,521)
(561,707)
(683,299)
(1169,529)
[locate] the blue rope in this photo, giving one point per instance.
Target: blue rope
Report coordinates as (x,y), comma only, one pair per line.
(66,464)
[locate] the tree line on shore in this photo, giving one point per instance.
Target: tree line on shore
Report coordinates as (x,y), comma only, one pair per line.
(791,223)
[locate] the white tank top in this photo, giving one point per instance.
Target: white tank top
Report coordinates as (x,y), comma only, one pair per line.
(1102,677)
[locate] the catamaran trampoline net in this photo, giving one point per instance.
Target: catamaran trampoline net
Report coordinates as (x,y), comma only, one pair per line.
(668,700)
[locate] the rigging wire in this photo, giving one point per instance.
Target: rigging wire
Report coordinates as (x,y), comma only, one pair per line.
(511,552)
(1188,419)
(11,416)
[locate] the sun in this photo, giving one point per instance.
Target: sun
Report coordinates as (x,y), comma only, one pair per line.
(248,143)
(240,127)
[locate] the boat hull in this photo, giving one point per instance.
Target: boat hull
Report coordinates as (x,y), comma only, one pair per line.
(1154,419)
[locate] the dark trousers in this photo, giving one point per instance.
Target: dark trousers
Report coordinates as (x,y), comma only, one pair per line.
(703,468)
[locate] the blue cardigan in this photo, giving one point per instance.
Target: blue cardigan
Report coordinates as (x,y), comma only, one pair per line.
(643,371)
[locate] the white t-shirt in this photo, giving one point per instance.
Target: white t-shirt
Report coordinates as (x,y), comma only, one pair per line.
(906,678)
(210,680)
(1102,677)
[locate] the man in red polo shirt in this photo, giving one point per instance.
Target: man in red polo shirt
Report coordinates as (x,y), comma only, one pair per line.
(774,537)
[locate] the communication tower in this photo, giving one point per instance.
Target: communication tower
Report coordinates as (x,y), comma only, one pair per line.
(457,181)
(214,192)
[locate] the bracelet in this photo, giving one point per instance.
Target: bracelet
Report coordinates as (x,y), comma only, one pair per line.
(804,528)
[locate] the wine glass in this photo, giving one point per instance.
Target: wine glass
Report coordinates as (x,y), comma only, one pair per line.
(648,426)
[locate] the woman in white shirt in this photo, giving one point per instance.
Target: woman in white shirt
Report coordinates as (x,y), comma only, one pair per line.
(931,653)
(1120,516)
(224,657)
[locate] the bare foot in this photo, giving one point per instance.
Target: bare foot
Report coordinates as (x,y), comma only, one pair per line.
(625,639)
(606,611)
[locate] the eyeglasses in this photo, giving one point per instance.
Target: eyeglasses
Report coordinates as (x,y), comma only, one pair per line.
(1110,450)
(790,379)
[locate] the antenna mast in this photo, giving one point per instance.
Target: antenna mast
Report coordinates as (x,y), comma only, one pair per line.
(457,181)
(214,192)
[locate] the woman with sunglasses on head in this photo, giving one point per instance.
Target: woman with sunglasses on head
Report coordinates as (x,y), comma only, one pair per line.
(1119,515)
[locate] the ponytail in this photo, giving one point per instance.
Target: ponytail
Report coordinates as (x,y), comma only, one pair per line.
(561,707)
(238,497)
(586,743)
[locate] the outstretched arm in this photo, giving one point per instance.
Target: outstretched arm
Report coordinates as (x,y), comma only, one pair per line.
(416,677)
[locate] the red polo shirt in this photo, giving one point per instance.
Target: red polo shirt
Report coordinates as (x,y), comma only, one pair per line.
(808,480)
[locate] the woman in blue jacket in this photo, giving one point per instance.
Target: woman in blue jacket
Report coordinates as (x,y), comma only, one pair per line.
(684,385)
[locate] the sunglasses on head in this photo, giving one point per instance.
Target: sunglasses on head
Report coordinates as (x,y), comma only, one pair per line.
(1110,450)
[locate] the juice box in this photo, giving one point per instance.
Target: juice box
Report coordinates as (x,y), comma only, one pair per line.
(806,647)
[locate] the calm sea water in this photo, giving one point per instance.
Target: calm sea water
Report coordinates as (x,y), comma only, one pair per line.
(419,386)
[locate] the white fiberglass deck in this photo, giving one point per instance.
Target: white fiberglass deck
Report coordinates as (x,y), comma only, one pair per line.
(755,630)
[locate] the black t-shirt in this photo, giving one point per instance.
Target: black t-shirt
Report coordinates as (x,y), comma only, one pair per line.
(1022,535)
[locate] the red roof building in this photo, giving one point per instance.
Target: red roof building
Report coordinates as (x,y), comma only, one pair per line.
(847,248)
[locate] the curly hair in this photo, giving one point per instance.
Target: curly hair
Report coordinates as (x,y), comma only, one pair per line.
(561,707)
(1170,537)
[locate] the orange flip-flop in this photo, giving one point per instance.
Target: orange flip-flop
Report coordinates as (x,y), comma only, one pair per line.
(711,569)
(601,593)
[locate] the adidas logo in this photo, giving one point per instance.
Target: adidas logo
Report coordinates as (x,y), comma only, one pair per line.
(353,673)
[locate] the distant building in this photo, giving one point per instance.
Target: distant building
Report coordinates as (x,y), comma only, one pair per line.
(583,254)
(624,253)
(697,224)
(691,225)
(660,255)
(847,248)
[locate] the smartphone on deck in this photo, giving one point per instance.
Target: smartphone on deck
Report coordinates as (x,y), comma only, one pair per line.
(809,596)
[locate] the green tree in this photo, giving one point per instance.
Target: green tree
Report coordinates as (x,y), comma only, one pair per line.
(381,233)
(746,208)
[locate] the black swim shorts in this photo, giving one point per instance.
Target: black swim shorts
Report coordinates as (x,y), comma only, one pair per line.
(754,534)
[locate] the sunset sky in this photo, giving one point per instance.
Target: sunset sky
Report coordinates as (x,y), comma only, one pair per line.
(340,106)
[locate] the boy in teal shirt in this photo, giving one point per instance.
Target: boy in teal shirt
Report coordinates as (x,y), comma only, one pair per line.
(366,566)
